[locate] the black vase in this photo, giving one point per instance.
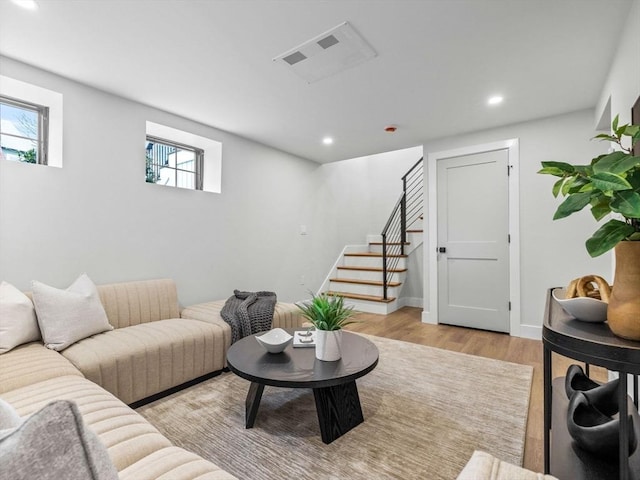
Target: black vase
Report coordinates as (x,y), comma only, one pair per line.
(577,381)
(594,431)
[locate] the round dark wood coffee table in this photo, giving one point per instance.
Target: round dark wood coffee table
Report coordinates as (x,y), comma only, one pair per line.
(333,383)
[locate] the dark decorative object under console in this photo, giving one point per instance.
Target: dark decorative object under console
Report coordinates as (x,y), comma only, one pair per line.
(577,380)
(590,419)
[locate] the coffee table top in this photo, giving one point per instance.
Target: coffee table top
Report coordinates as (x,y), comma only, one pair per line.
(298,367)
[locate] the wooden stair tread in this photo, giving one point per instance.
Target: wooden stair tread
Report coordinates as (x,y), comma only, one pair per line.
(376,283)
(415,231)
(371,269)
(355,296)
(389,243)
(371,254)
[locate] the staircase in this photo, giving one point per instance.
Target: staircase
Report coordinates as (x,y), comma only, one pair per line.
(370,276)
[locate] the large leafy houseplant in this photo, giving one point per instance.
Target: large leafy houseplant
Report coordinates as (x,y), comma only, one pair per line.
(327,312)
(609,184)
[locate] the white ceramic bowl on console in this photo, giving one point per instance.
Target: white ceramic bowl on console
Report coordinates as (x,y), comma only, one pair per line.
(275,341)
(585,309)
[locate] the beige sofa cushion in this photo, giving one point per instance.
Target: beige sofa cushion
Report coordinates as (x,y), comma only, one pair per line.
(127,435)
(136,362)
(32,363)
(483,466)
(285,315)
(173,463)
(132,303)
(18,323)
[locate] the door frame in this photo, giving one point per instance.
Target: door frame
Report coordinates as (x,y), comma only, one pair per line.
(430,312)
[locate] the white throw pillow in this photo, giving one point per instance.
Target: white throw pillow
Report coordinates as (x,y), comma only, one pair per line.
(67,316)
(18,322)
(9,418)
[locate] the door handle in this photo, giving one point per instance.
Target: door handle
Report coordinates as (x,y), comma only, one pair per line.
(442,250)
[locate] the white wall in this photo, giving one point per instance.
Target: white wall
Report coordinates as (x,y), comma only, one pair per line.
(552,253)
(354,198)
(97,215)
(623,82)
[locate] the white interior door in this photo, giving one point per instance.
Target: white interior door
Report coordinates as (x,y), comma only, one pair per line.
(473,242)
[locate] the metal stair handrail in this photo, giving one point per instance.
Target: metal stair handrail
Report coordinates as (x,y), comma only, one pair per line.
(406,212)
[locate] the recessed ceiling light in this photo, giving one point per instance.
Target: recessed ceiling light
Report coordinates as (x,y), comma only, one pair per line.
(27,4)
(495,100)
(327,140)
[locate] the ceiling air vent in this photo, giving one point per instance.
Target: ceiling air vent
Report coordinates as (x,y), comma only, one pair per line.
(294,58)
(327,42)
(325,55)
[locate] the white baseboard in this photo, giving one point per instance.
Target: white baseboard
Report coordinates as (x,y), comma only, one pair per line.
(429,317)
(531,331)
(410,302)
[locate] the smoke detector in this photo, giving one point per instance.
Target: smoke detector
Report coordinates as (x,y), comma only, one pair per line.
(325,55)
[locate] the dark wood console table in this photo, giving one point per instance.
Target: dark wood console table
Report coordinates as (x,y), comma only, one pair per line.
(595,344)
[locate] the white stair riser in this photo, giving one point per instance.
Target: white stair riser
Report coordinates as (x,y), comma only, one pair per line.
(373,262)
(373,307)
(396,248)
(367,275)
(360,289)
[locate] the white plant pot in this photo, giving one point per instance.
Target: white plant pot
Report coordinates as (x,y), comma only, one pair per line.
(328,345)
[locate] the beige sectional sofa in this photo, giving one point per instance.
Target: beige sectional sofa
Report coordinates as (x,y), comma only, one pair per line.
(151,349)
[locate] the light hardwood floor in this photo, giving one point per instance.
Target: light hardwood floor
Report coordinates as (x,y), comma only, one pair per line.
(405,324)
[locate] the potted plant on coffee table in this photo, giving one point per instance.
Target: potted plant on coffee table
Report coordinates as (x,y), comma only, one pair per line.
(610,184)
(329,315)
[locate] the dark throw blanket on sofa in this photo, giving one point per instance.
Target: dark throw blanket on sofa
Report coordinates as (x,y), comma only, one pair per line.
(248,313)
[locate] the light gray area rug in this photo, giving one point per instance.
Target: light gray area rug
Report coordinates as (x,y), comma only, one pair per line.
(426,410)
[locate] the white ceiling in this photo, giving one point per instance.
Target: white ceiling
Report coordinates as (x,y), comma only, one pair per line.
(438,61)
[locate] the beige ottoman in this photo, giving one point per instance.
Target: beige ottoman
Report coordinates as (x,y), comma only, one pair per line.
(285,315)
(483,466)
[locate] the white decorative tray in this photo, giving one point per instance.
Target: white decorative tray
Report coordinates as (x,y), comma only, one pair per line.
(301,341)
(582,308)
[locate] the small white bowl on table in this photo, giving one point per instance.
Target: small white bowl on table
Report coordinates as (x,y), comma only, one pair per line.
(275,341)
(585,309)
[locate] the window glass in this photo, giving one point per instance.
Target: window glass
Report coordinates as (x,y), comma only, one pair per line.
(172,164)
(23,131)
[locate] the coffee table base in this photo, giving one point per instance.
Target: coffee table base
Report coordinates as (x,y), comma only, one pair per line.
(338,408)
(251,404)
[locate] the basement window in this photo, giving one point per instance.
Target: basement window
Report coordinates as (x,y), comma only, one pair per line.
(24,131)
(30,123)
(173,164)
(181,159)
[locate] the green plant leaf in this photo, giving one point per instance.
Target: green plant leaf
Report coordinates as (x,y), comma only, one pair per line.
(578,183)
(600,209)
(608,163)
(626,164)
(614,124)
(605,136)
(635,236)
(585,170)
(607,182)
(572,204)
(631,130)
(565,167)
(607,237)
(634,179)
(626,203)
(556,187)
(555,171)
